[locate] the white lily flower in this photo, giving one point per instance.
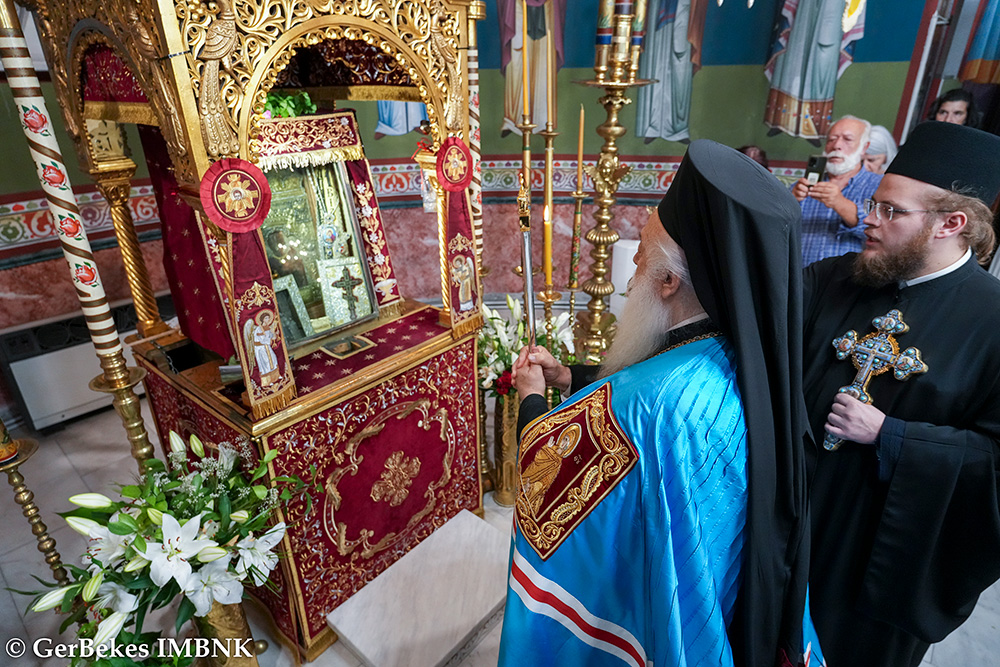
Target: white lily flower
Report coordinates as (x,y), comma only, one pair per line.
(227,459)
(116,598)
(257,555)
(109,628)
(51,600)
(213,583)
(170,559)
(105,547)
(176,444)
(81,525)
(94,501)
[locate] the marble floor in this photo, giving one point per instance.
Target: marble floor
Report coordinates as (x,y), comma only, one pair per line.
(91,453)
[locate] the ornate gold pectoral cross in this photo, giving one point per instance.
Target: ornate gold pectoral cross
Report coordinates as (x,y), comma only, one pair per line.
(876,353)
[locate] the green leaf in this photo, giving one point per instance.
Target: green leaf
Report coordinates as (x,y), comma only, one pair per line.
(184,613)
(121,528)
(270,456)
(260,491)
(129,521)
(131,491)
(139,544)
(139,583)
(225,506)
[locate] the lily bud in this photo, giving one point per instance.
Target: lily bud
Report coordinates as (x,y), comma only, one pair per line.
(176,444)
(208,554)
(94,501)
(196,446)
(81,525)
(155,515)
(109,628)
(90,589)
(51,600)
(240,516)
(136,564)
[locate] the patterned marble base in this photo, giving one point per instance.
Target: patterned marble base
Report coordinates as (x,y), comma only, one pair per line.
(432,604)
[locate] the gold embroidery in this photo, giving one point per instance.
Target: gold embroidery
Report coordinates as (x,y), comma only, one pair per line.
(602,457)
(394,486)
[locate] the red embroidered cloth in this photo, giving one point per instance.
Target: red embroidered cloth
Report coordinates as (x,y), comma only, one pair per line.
(324,366)
(106,77)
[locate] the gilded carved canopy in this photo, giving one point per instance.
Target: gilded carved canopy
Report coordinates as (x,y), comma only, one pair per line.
(205,68)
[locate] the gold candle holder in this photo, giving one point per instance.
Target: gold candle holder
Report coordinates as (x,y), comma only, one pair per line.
(594,327)
(120,381)
(549,297)
(26,499)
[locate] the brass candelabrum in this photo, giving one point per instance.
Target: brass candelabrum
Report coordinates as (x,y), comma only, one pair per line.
(615,73)
(26,500)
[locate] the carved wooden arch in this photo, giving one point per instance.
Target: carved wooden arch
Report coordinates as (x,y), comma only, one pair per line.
(312,32)
(85,34)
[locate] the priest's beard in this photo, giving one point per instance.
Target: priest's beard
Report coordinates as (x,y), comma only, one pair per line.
(642,327)
(851,160)
(878,270)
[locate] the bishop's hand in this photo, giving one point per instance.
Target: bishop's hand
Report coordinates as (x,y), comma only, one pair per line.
(554,373)
(850,419)
(528,377)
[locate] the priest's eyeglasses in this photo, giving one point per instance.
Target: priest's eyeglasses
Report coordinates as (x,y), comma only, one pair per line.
(885,211)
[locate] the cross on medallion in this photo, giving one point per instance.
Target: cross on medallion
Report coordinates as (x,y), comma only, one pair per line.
(876,353)
(347,283)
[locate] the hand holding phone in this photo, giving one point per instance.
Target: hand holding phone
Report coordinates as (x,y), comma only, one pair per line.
(815,168)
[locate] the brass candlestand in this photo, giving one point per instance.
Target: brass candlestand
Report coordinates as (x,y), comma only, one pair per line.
(120,381)
(594,326)
(26,499)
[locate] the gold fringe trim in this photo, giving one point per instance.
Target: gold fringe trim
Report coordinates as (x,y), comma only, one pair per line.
(139,113)
(268,407)
(465,327)
(310,158)
(391,310)
(365,92)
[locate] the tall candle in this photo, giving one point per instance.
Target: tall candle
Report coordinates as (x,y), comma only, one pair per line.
(550,75)
(579,154)
(547,243)
(525,100)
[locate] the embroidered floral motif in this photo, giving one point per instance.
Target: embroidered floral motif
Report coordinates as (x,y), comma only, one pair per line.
(394,486)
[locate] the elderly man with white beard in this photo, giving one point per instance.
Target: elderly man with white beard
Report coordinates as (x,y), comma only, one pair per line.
(832,210)
(661,517)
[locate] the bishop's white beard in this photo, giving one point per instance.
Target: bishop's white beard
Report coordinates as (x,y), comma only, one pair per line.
(642,327)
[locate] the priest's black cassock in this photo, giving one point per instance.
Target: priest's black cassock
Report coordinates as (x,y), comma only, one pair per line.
(906,534)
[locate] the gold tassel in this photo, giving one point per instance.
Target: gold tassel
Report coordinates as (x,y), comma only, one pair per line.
(468,326)
(268,407)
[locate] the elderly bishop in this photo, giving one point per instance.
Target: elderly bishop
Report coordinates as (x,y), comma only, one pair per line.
(670,526)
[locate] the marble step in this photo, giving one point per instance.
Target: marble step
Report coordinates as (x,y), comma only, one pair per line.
(431,607)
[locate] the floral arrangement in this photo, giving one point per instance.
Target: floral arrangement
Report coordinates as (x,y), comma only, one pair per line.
(501,339)
(197,527)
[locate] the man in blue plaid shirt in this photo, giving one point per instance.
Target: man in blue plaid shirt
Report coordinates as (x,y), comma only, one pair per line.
(832,210)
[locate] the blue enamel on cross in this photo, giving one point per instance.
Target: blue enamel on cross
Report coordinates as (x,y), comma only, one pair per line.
(873,355)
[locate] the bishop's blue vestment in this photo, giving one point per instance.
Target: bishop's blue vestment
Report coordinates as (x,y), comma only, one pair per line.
(629,523)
